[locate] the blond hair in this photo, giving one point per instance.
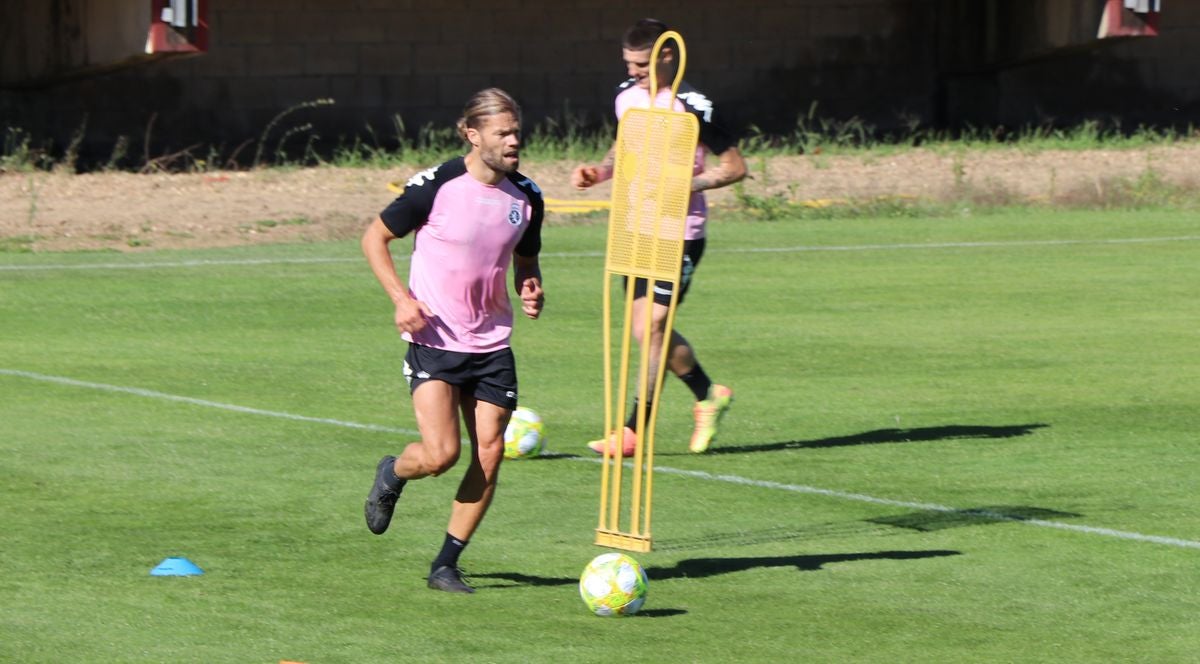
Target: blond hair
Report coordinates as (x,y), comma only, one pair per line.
(491,101)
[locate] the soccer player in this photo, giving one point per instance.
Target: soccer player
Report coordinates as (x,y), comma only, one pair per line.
(712,400)
(470,218)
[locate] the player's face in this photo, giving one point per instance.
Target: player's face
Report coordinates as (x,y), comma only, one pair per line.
(499,142)
(637,65)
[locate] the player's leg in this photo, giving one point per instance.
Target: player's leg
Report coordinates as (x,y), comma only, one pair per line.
(707,414)
(712,400)
(656,330)
(487,405)
(681,358)
(680,361)
(435,377)
(628,434)
(436,406)
(432,377)
(485,423)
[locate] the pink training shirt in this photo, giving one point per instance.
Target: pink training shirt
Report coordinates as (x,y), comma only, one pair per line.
(464,236)
(712,137)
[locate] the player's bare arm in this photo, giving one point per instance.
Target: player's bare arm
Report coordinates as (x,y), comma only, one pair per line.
(527,279)
(589,175)
(731,169)
(410,313)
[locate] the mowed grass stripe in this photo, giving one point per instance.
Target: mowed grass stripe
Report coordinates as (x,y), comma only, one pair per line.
(695,474)
(598,254)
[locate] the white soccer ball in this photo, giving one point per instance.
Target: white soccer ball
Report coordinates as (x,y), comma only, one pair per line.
(525,435)
(613,584)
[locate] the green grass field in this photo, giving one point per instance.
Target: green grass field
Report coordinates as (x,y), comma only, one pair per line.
(958,439)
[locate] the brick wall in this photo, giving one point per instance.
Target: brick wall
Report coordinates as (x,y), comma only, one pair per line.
(887,62)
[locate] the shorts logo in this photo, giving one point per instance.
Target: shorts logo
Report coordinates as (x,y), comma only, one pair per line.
(510,394)
(408,373)
(514,214)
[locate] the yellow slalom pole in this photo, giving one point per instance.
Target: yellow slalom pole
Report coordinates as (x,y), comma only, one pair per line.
(648,216)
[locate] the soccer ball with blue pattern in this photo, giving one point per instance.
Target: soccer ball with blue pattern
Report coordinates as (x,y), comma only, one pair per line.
(525,435)
(613,584)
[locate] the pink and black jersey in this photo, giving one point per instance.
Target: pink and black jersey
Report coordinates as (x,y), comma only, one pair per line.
(464,235)
(713,137)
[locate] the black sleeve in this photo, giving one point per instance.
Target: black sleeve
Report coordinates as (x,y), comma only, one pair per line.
(713,134)
(530,243)
(716,137)
(408,212)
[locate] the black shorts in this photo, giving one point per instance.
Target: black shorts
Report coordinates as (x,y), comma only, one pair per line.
(490,377)
(692,251)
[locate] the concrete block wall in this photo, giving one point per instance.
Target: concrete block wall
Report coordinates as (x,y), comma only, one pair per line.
(43,38)
(765,63)
(1119,82)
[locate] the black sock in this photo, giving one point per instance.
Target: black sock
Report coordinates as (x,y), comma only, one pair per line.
(393,481)
(451,549)
(631,421)
(698,382)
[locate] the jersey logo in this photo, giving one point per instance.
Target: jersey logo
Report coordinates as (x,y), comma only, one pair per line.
(514,214)
(422,177)
(702,104)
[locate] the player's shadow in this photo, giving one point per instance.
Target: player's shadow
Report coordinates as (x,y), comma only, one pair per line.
(878,436)
(928,521)
(919,521)
(694,568)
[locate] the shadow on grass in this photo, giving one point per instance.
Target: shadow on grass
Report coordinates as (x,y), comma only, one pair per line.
(878,436)
(928,521)
(918,435)
(693,568)
(920,521)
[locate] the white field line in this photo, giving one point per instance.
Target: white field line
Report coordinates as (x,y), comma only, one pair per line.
(177,264)
(600,254)
(696,474)
(137,391)
(933,507)
(963,245)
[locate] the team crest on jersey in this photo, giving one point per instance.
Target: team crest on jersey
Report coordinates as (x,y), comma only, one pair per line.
(514,214)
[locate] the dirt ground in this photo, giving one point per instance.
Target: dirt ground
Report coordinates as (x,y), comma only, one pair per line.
(131,212)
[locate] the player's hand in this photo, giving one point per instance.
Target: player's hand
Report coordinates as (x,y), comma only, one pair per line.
(412,315)
(532,297)
(585,176)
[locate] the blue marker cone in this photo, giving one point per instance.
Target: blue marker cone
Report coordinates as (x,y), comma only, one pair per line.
(176,567)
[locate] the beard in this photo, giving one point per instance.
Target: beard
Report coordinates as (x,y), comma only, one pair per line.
(495,160)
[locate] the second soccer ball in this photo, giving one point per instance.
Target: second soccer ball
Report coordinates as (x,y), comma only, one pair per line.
(525,435)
